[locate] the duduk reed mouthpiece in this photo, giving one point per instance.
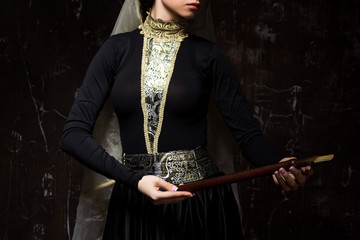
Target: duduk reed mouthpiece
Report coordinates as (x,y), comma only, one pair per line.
(252,173)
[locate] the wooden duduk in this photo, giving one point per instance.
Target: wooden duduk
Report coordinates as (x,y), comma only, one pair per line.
(252,173)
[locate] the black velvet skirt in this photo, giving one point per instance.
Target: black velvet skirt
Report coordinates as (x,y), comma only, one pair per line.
(211,214)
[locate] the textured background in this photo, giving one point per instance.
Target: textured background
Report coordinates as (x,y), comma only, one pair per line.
(299,64)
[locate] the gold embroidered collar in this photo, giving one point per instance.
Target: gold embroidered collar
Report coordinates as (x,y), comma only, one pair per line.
(163,31)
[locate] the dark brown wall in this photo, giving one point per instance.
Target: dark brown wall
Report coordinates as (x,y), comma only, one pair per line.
(298,61)
(45,47)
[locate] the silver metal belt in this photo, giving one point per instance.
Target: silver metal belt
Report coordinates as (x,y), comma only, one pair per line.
(181,166)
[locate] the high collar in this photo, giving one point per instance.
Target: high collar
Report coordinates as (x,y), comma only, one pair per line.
(164,31)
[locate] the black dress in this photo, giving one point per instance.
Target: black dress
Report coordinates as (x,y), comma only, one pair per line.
(200,70)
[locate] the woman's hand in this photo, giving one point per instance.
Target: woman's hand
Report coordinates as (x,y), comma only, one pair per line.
(292,179)
(150,186)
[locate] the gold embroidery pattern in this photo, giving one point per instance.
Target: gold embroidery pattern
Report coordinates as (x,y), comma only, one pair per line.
(159,54)
(164,31)
(158,66)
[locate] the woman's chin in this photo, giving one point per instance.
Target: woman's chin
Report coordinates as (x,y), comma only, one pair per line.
(189,16)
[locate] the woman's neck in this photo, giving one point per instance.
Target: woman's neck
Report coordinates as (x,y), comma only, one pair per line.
(159,11)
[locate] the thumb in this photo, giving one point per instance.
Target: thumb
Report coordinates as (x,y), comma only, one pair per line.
(167,186)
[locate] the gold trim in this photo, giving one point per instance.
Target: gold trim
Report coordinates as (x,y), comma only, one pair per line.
(143,107)
(163,100)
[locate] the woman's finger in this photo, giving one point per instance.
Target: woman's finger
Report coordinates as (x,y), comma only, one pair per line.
(308,171)
(300,178)
(281,181)
(171,197)
(152,187)
(289,179)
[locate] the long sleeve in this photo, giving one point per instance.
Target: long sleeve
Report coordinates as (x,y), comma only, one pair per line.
(77,139)
(235,110)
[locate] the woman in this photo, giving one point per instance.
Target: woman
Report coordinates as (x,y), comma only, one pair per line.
(160,78)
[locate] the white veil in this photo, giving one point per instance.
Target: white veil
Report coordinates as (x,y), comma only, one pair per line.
(129,17)
(96,189)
